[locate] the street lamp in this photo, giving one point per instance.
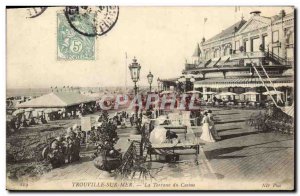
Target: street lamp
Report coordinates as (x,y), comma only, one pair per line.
(135,68)
(150,79)
(192,81)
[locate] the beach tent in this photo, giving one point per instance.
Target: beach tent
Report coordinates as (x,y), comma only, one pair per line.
(57,100)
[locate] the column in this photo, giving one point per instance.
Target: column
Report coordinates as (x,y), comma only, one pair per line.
(204,91)
(261,40)
(286,95)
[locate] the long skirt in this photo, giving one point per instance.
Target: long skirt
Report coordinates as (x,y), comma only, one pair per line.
(206,133)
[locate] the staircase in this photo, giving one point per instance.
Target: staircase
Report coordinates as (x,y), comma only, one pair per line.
(275,58)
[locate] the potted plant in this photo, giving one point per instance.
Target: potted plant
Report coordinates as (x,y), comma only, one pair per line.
(241,48)
(261,48)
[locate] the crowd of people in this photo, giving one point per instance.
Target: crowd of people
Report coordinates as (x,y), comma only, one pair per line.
(65,148)
(150,123)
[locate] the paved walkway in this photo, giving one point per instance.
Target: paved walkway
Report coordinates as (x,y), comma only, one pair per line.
(243,156)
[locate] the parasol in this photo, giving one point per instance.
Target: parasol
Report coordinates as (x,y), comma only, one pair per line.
(250,93)
(28,110)
(19,111)
(209,93)
(48,111)
(227,94)
(194,92)
(273,93)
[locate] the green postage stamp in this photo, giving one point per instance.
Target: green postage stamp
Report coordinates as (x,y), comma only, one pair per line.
(72,45)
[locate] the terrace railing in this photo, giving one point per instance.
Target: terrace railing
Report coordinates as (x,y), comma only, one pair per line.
(244,55)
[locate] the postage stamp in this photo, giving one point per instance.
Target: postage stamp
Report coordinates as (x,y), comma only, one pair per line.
(72,45)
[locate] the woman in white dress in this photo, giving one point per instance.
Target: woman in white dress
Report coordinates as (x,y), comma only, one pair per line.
(206,134)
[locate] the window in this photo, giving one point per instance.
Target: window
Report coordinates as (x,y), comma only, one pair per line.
(255,45)
(226,50)
(275,36)
(276,51)
(247,46)
(290,39)
(265,44)
(290,53)
(237,46)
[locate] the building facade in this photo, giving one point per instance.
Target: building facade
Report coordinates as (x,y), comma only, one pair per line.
(224,62)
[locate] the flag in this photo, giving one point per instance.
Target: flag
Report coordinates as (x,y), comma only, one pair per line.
(205,19)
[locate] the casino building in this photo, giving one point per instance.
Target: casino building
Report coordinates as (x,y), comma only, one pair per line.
(223,62)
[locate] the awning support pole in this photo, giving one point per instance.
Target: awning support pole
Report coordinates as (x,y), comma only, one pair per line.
(270,81)
(252,64)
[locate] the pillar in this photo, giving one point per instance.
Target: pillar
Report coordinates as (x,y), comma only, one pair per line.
(204,91)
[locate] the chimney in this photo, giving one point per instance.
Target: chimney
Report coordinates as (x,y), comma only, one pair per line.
(255,13)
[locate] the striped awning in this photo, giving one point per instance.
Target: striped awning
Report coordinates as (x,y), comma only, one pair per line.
(213,62)
(289,110)
(243,82)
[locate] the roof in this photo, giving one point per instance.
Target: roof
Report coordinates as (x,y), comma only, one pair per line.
(229,31)
(56,99)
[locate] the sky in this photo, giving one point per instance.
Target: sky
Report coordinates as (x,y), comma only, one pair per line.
(161,38)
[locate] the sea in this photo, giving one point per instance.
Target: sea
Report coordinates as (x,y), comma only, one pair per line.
(36,92)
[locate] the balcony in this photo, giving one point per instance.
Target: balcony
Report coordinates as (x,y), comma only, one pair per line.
(246,55)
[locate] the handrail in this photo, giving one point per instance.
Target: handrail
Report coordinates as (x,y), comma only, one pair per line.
(258,54)
(270,80)
(252,64)
(276,57)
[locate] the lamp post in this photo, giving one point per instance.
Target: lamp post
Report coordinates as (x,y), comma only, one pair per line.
(192,81)
(150,79)
(135,68)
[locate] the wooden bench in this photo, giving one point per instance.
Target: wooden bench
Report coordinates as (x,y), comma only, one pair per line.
(177,129)
(184,148)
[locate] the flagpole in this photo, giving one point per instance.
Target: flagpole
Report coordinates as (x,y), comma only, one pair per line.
(205,19)
(204,28)
(125,72)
